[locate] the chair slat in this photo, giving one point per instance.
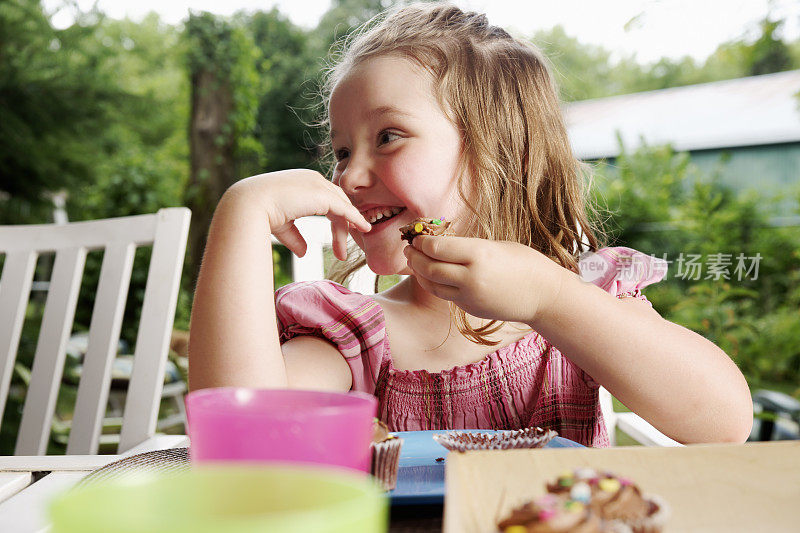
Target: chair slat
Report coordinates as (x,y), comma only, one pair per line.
(48,364)
(109,307)
(15,289)
(155,328)
(92,234)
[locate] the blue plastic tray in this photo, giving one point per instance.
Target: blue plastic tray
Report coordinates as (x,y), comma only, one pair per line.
(420,479)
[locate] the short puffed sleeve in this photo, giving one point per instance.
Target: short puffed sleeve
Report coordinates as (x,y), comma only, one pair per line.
(352,322)
(622,272)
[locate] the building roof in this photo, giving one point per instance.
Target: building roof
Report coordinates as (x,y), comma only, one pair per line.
(742,112)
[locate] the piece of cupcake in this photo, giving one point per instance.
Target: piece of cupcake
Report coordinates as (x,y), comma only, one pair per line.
(552,514)
(385,455)
(425,226)
(613,498)
(461,441)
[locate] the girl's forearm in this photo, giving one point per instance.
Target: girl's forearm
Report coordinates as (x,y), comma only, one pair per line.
(233,334)
(679,381)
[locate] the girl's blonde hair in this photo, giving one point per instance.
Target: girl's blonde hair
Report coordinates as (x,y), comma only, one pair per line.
(526,185)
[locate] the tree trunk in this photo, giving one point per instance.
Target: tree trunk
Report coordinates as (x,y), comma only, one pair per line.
(212,156)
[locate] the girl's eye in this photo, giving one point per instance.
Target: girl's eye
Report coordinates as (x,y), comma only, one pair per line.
(386,137)
(342,153)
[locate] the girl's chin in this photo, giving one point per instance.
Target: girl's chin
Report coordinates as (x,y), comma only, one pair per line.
(388,268)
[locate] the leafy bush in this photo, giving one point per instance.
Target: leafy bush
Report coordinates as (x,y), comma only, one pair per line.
(658,202)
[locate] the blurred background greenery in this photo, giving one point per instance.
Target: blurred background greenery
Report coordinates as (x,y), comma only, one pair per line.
(125,117)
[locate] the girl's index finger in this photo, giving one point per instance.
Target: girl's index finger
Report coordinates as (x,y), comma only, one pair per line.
(360,222)
(351,213)
(355,216)
(347,210)
(450,249)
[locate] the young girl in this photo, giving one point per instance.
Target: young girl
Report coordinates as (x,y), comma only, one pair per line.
(433,112)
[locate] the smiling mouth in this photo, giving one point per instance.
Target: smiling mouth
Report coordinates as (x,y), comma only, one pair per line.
(384,219)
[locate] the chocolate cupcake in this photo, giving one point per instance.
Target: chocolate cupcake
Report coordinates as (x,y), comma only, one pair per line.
(552,514)
(613,498)
(461,441)
(425,226)
(385,455)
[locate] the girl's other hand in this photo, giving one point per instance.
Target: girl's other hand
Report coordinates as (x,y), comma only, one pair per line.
(291,194)
(496,280)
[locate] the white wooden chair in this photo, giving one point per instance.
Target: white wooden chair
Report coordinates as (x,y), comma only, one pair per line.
(167,232)
(317,233)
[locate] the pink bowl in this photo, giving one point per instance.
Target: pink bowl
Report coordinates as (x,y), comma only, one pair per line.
(286,425)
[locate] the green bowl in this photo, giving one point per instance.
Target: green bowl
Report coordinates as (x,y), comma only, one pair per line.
(233,499)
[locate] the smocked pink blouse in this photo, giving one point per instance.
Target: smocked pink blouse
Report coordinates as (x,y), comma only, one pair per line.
(527,383)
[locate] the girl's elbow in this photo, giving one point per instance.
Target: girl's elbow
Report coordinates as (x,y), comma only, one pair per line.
(729,419)
(739,410)
(739,429)
(739,422)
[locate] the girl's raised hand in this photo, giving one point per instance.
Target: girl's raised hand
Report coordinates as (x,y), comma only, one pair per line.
(497,280)
(290,194)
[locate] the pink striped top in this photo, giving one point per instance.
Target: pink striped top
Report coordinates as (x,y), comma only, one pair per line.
(527,383)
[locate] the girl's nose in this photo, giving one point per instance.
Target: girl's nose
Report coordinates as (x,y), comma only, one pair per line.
(357,175)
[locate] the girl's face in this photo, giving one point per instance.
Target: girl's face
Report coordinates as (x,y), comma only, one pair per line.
(397,154)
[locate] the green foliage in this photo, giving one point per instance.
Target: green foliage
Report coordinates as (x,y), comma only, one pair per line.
(769,53)
(288,100)
(98,110)
(225,49)
(586,71)
(343,17)
(56,95)
(663,205)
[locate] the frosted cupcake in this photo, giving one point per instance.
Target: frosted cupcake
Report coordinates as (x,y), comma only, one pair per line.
(553,514)
(385,449)
(425,226)
(613,498)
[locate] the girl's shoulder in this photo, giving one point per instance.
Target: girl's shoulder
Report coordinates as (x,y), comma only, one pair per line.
(320,293)
(351,321)
(329,308)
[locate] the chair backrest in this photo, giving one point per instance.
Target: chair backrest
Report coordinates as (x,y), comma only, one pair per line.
(167,232)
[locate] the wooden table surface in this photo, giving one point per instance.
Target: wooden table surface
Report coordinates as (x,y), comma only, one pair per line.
(744,487)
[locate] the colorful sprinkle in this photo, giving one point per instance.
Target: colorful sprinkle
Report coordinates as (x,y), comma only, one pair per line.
(546,514)
(565,481)
(437,221)
(547,500)
(581,492)
(625,481)
(609,485)
(574,506)
(418,227)
(516,529)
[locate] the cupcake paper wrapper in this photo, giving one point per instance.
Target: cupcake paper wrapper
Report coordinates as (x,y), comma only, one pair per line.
(385,461)
(654,522)
(461,441)
(615,526)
